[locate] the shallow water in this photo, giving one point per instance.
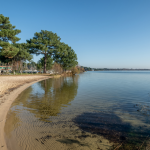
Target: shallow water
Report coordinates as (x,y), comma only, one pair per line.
(93,110)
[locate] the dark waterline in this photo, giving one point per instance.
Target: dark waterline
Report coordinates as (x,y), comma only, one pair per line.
(114,105)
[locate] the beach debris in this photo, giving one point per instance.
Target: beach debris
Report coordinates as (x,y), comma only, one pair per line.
(43,139)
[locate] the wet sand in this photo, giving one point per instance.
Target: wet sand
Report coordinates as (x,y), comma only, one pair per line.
(10,88)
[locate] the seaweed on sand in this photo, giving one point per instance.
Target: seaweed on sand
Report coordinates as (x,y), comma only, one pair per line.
(111,127)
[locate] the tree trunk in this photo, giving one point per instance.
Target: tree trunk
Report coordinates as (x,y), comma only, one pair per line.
(45,58)
(13,66)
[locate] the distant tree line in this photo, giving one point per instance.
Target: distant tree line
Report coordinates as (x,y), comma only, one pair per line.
(87,68)
(45,43)
(109,69)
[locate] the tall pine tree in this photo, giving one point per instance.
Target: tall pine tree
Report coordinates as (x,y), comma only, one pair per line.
(8,37)
(65,56)
(45,43)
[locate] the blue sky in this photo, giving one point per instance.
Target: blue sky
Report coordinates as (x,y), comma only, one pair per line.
(103,33)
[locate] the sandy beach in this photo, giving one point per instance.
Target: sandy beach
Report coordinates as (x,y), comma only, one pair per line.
(10,88)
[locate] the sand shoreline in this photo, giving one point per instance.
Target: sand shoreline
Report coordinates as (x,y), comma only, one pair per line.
(9,93)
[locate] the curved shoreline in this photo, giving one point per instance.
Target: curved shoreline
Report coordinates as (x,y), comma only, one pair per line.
(6,104)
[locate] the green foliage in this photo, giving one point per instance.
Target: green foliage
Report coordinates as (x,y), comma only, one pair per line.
(30,65)
(39,65)
(44,42)
(8,34)
(87,68)
(23,52)
(3,59)
(65,56)
(49,63)
(8,50)
(7,31)
(33,64)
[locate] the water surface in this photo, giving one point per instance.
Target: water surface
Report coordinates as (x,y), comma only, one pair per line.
(93,110)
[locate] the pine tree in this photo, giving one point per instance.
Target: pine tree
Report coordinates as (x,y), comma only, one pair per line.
(45,43)
(22,54)
(8,37)
(49,63)
(65,56)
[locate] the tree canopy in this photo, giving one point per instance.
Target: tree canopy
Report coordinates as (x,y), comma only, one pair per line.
(7,31)
(65,56)
(23,52)
(44,42)
(7,37)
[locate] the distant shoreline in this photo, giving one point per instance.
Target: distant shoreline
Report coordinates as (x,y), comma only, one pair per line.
(122,70)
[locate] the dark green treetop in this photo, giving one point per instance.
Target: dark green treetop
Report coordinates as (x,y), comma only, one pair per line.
(44,42)
(65,56)
(8,50)
(7,31)
(8,35)
(3,59)
(23,52)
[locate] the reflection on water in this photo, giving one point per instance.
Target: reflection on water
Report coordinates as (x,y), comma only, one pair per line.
(94,110)
(57,94)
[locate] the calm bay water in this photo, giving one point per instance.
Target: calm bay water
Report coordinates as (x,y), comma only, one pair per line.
(92,110)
